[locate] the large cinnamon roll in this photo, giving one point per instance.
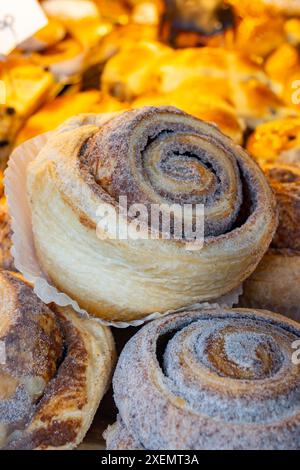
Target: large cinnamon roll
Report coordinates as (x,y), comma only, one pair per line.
(211,379)
(55,368)
(158,156)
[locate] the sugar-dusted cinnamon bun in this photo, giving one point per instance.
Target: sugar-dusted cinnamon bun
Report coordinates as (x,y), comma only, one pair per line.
(275,283)
(55,368)
(151,156)
(257,7)
(210,379)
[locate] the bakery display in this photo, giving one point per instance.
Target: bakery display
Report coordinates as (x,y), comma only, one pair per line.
(56,371)
(90,162)
(154,174)
(210,379)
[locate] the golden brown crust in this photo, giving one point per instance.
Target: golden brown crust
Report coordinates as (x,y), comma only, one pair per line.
(56,371)
(122,279)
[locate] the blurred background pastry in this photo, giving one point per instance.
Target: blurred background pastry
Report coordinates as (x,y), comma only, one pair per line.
(6,258)
(185,161)
(275,283)
(27,86)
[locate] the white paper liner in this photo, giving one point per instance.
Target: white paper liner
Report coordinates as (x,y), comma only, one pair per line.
(23,249)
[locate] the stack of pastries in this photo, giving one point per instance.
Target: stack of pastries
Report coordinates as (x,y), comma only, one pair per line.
(215,125)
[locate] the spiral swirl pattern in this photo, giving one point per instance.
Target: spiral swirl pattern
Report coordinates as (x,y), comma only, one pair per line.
(157,157)
(169,158)
(209,380)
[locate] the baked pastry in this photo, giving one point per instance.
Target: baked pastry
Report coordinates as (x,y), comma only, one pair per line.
(275,283)
(128,34)
(54,113)
(209,379)
(210,62)
(176,159)
(54,370)
(27,86)
(81,19)
(256,103)
(48,36)
(292,31)
(276,141)
(64,59)
(132,71)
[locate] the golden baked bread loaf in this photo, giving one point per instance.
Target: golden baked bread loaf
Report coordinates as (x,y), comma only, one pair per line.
(219,379)
(152,156)
(55,368)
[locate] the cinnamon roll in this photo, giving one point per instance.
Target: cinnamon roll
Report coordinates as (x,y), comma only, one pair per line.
(55,368)
(209,379)
(275,283)
(6,258)
(157,157)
